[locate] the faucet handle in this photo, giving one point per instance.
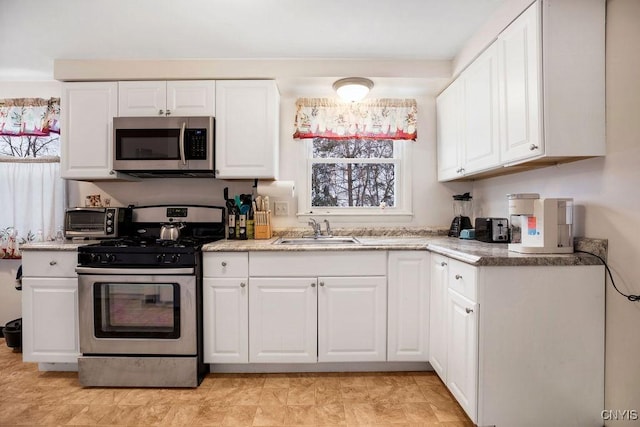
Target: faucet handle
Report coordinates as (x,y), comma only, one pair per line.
(326,221)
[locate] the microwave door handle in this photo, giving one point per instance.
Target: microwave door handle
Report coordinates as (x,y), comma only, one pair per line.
(182,129)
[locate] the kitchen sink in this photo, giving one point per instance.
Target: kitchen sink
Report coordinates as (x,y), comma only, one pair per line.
(320,240)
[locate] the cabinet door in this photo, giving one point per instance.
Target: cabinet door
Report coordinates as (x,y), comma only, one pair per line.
(226,320)
(191,98)
(138,99)
(352,319)
(462,352)
(87,137)
(449,134)
(519,62)
(50,320)
(438,314)
(247,129)
(283,320)
(408,306)
(481,133)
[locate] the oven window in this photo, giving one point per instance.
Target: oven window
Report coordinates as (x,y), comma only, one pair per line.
(137,310)
(148,144)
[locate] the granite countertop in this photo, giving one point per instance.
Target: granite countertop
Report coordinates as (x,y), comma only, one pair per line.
(468,251)
(67,245)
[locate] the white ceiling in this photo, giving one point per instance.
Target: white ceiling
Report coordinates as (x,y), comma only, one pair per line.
(35,32)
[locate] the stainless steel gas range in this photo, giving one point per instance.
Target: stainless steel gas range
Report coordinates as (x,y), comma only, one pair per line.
(140,300)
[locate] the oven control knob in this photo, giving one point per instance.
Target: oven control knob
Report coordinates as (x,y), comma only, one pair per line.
(175,258)
(109,229)
(94,257)
(110,257)
(160,258)
(109,214)
(109,222)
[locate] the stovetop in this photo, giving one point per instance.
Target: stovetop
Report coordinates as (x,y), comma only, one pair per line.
(140,245)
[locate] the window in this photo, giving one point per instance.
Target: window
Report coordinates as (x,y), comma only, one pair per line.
(31,190)
(357,176)
(355,156)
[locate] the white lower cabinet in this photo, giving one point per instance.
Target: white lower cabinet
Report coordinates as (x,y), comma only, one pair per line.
(408,306)
(225,321)
(283,320)
(352,319)
(50,307)
(439,273)
(226,307)
(500,333)
(462,350)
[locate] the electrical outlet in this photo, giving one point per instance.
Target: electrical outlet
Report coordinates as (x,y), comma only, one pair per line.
(281,208)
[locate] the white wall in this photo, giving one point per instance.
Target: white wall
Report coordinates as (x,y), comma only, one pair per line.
(605,192)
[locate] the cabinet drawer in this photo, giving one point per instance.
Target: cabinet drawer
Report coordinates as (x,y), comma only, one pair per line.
(320,263)
(49,263)
(463,278)
(226,264)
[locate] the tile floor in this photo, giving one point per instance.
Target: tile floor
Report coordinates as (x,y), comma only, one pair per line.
(34,398)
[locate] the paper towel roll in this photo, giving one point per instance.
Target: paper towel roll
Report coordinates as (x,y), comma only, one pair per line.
(276,189)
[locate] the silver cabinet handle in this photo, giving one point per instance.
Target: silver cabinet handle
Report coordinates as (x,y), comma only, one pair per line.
(242,285)
(458,277)
(468,310)
(224,263)
(321,283)
(313,285)
(168,112)
(443,264)
(161,112)
(53,262)
(112,172)
(533,147)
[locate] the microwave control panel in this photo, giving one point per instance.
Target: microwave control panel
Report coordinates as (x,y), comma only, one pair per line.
(195,144)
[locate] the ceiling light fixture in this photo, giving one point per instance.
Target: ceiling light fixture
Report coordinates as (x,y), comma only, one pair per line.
(352,89)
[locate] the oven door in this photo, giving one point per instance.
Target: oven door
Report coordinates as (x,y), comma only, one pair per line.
(137,314)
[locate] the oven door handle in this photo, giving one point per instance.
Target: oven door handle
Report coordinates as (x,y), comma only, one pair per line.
(127,271)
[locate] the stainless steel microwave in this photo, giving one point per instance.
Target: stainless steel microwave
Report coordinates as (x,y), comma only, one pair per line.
(95,223)
(164,146)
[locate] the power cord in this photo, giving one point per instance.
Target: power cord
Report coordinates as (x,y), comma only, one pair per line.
(632,298)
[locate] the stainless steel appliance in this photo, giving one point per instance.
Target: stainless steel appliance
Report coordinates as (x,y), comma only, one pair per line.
(164,146)
(492,230)
(95,223)
(140,301)
(540,225)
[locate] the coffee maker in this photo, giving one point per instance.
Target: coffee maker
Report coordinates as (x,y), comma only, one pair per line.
(462,209)
(540,226)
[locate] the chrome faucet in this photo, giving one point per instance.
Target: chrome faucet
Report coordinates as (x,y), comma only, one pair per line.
(317,231)
(326,221)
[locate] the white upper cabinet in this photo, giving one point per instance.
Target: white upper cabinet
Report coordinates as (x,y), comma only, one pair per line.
(87,111)
(166,98)
(247,129)
(546,71)
(449,131)
(467,120)
(520,87)
(480,135)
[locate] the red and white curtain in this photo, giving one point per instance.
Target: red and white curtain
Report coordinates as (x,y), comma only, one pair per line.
(374,119)
(32,193)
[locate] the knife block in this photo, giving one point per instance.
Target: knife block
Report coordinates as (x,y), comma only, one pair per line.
(261,230)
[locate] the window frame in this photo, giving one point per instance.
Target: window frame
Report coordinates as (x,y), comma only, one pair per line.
(401,212)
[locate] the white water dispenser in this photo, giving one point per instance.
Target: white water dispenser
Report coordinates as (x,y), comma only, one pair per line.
(540,226)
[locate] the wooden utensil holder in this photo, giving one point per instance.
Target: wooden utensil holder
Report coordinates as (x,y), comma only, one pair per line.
(263,231)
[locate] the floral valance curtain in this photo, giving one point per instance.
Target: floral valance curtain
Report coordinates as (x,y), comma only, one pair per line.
(29,129)
(29,116)
(375,119)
